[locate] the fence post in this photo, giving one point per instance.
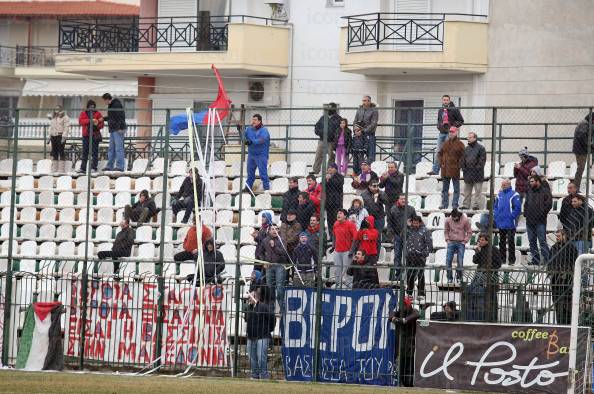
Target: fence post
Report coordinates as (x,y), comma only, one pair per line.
(159,268)
(546,147)
(587,232)
(499,137)
(44,141)
(85,270)
(490,284)
(287,143)
(238,262)
(321,253)
(377,31)
(8,290)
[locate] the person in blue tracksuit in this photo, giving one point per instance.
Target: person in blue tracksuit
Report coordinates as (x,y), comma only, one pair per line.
(257,138)
(506,210)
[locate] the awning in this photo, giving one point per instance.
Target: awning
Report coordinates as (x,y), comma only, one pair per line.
(80,87)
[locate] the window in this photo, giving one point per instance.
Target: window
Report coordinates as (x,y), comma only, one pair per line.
(129,108)
(73,105)
(335,3)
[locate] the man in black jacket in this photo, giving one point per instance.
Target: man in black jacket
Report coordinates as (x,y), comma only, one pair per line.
(447,117)
(260,322)
(333,125)
(290,198)
(305,209)
(116,120)
(334,194)
(560,270)
(122,245)
(400,215)
(577,221)
(580,147)
(214,263)
(473,166)
(392,182)
(184,198)
(142,210)
(376,201)
(539,202)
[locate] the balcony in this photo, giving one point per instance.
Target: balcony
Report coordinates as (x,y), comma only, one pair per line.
(152,46)
(393,44)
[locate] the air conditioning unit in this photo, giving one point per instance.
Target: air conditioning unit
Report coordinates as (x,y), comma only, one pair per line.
(264,92)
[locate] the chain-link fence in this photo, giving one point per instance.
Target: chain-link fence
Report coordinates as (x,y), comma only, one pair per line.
(330,242)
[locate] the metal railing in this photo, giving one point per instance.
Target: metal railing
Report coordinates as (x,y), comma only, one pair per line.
(203,33)
(399,31)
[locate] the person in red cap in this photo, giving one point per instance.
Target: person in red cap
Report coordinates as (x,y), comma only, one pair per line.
(405,321)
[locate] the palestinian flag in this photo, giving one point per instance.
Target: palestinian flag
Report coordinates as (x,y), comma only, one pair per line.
(41,346)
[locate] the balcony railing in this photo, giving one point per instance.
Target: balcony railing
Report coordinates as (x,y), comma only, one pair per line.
(201,33)
(400,31)
(28,56)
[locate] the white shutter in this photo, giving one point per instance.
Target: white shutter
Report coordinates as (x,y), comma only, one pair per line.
(184,13)
(169,8)
(411,7)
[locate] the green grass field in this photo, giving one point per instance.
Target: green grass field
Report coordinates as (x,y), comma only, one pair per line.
(64,382)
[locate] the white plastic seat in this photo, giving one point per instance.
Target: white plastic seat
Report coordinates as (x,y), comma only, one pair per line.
(5,198)
(25,182)
(245,235)
(207,216)
(158,185)
(177,182)
(168,234)
(6,166)
(104,199)
(144,234)
(223,201)
(263,201)
(64,232)
(81,183)
(379,167)
(438,239)
(25,167)
(44,167)
(426,186)
(47,249)
(159,199)
(139,166)
(141,184)
(103,233)
(246,201)
(66,199)
(552,222)
(4,231)
(67,249)
(557,169)
(28,214)
(64,183)
(248,251)
(422,168)
(122,199)
(168,216)
(278,169)
(123,184)
(235,185)
(48,215)
(46,198)
(432,202)
(488,169)
(46,182)
(102,183)
(416,202)
(347,200)
(82,215)
(26,198)
(47,231)
(81,199)
(436,221)
(508,169)
(219,168)
(225,235)
(179,167)
(28,248)
(248,218)
(67,215)
(298,168)
(80,233)
(146,251)
(221,185)
(279,185)
(559,186)
(158,166)
(440,258)
(29,231)
(5,215)
(224,218)
(80,251)
(105,215)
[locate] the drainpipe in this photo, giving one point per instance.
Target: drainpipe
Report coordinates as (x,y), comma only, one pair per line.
(291,57)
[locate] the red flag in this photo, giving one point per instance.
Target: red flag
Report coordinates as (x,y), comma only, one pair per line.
(222,102)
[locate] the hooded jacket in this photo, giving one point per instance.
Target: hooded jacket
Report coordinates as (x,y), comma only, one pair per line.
(360,213)
(396,220)
(419,243)
(451,158)
(214,262)
(259,141)
(116,117)
(367,238)
(473,163)
(523,172)
(457,231)
(392,184)
(315,194)
(333,126)
(580,137)
(260,320)
(375,203)
(83,120)
(455,118)
(305,257)
(538,203)
(124,240)
(187,188)
(481,258)
(507,209)
(304,213)
(59,126)
(148,203)
(290,201)
(367,118)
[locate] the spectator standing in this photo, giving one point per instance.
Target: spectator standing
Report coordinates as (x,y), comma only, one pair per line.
(522,171)
(451,157)
(361,181)
(578,221)
(344,235)
(367,117)
(289,231)
(580,147)
(566,203)
(342,146)
(142,210)
(392,181)
(260,322)
(290,198)
(59,129)
(506,210)
(539,202)
(116,120)
(184,198)
(305,209)
(457,234)
(358,149)
(257,138)
(560,270)
(358,211)
(419,245)
(375,202)
(334,194)
(305,258)
(313,232)
(448,118)
(276,255)
(314,189)
(363,271)
(400,215)
(122,245)
(366,240)
(406,324)
(259,237)
(333,125)
(91,122)
(479,300)
(473,166)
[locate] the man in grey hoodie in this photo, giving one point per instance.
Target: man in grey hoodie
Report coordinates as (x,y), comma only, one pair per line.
(367,117)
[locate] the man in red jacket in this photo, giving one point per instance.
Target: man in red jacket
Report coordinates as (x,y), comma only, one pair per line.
(345,232)
(315,191)
(191,243)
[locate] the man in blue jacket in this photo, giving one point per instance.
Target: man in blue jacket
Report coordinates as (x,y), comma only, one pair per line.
(257,139)
(506,211)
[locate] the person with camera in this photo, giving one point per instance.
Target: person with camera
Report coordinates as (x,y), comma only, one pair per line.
(91,121)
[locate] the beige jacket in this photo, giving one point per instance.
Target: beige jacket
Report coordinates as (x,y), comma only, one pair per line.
(60,126)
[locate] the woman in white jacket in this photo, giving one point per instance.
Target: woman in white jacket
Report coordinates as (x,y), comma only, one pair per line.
(58,131)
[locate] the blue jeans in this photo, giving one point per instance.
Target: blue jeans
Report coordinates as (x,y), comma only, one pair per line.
(441,137)
(538,232)
(116,150)
(371,148)
(275,276)
(397,255)
(261,163)
(581,246)
(258,353)
(445,189)
(456,247)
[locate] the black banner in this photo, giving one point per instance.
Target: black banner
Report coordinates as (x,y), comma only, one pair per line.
(494,357)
